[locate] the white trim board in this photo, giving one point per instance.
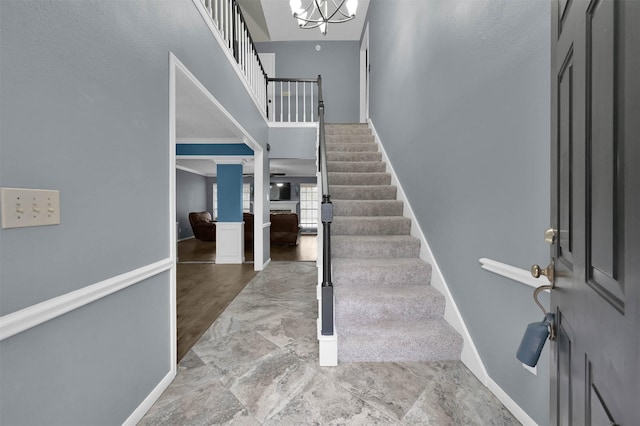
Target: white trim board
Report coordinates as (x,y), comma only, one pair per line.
(142,409)
(509,403)
(209,141)
(293,124)
(512,272)
(470,356)
(195,172)
(174,64)
(24,319)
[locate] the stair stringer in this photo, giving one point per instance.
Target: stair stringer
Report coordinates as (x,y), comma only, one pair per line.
(470,355)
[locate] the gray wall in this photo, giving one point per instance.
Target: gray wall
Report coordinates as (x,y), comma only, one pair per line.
(191,196)
(337,61)
(293,142)
(85,109)
(460,98)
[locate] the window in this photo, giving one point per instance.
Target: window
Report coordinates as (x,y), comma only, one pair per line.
(309,207)
(246,198)
(215,201)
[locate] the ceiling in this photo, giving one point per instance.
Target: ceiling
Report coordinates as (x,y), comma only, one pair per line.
(200,119)
(197,117)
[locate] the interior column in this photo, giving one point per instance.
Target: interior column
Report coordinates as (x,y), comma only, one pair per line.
(230,225)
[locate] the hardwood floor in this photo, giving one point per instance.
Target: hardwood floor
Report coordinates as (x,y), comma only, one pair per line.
(204,289)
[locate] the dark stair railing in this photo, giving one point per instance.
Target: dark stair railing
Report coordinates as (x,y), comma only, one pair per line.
(326,216)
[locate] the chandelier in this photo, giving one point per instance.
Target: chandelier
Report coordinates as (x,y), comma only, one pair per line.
(319,13)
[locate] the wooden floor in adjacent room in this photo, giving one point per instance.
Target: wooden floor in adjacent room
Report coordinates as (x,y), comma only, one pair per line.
(204,289)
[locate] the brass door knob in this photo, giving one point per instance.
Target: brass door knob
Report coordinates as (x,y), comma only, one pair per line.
(537,271)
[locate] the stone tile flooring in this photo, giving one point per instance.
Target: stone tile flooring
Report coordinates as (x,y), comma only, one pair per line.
(258,365)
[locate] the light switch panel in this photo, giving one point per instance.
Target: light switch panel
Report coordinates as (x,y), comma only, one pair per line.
(29,207)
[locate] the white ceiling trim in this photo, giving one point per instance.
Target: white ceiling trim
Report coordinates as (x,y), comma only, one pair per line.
(194,171)
(218,159)
(294,124)
(209,141)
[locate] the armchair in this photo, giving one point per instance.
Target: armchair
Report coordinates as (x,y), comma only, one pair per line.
(203,227)
(284,228)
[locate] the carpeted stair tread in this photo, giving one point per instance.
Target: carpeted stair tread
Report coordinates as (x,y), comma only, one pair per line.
(352,147)
(363,192)
(374,246)
(354,156)
(367,207)
(356,166)
(374,302)
(371,225)
(393,272)
(392,341)
(342,178)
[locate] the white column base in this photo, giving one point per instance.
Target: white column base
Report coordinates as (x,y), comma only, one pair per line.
(229,242)
(328,355)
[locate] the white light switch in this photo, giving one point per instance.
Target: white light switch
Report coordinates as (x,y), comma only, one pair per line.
(29,207)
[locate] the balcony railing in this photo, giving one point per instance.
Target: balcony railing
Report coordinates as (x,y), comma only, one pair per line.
(293,100)
(232,28)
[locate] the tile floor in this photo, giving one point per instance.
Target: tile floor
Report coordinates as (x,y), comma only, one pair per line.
(257,365)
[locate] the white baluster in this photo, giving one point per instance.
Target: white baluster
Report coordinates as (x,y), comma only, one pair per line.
(281,102)
(304,102)
(296,101)
(289,108)
(311,105)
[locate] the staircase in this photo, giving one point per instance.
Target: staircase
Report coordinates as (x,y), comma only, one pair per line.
(385,308)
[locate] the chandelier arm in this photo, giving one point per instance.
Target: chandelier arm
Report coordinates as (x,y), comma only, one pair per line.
(338,9)
(319,8)
(312,25)
(317,21)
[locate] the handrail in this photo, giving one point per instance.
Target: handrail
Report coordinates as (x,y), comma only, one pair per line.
(326,216)
(300,80)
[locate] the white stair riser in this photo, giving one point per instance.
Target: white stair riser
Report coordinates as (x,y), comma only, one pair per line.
(367,208)
(339,178)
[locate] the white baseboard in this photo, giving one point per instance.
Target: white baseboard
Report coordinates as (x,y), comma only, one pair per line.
(142,409)
(328,347)
(229,243)
(187,238)
(264,265)
(509,403)
(469,356)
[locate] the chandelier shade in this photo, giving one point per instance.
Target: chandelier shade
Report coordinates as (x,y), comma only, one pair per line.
(320,13)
